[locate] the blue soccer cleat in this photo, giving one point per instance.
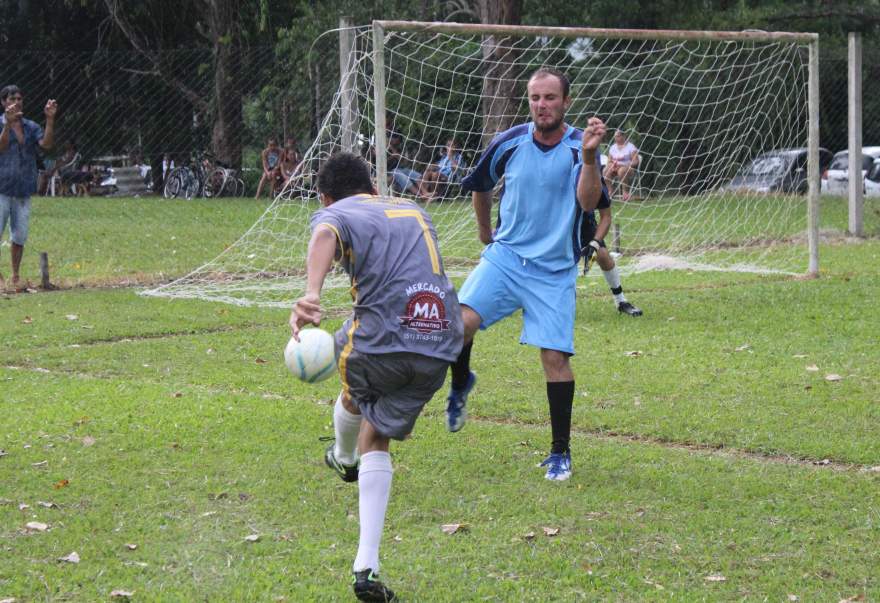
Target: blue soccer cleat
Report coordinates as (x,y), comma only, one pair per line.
(558,466)
(456,404)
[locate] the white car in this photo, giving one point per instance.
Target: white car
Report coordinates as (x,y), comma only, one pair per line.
(836,177)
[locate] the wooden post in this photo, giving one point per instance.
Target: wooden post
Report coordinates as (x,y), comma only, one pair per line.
(813,163)
(44,270)
(347,96)
(854,117)
(381,146)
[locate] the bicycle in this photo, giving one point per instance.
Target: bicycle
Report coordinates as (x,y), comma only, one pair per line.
(189,180)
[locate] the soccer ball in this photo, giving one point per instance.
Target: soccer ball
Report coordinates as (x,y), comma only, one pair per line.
(312,358)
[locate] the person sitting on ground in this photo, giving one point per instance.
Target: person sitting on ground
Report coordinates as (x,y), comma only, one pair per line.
(623,159)
(270,159)
(446,171)
(290,160)
(403,178)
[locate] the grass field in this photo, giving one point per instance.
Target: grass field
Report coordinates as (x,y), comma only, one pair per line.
(714,460)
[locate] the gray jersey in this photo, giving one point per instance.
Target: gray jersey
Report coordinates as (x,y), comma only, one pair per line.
(403,300)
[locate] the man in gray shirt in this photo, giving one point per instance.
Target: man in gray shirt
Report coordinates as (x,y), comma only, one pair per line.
(395,349)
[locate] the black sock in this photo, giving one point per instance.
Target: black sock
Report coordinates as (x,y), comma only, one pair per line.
(560,395)
(461,368)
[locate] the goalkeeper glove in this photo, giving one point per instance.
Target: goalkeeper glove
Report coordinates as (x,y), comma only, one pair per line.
(590,254)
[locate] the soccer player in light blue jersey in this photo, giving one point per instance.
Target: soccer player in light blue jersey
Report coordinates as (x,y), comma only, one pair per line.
(552,178)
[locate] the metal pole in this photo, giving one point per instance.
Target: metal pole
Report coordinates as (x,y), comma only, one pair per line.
(381,146)
(856,182)
(347,98)
(813,161)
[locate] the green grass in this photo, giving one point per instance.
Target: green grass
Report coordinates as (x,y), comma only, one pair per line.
(178,430)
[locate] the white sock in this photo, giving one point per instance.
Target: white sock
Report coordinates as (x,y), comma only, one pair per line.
(347,426)
(374,486)
(612,277)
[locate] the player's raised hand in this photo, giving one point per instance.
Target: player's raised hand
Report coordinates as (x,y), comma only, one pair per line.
(594,133)
(51,109)
(306,310)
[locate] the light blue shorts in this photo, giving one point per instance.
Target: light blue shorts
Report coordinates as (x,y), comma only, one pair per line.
(16,211)
(503,283)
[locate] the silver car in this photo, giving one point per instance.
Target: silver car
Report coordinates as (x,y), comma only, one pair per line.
(836,177)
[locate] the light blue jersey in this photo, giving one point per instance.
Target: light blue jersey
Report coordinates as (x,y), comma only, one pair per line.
(538,213)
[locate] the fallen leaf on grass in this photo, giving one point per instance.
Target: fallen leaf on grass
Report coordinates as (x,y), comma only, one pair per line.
(72,558)
(743,348)
(3,452)
(177,395)
(252,537)
(550,531)
(529,536)
(40,464)
(633,353)
(88,441)
(260,360)
(656,585)
(5,501)
(854,598)
(36,526)
(23,507)
(131,547)
(822,462)
(71,317)
(61,484)
(47,505)
(715,578)
(874,469)
(244,496)
(812,368)
(833,377)
(397,538)
(81,421)
(122,594)
(454,528)
(27,320)
(799,356)
(793,598)
(9,600)
(209,513)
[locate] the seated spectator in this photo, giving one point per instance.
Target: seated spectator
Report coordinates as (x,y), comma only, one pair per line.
(439,176)
(167,165)
(623,159)
(290,160)
(270,159)
(403,179)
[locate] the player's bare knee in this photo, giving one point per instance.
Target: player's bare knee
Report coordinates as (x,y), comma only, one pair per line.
(604,259)
(370,440)
(471,322)
(556,365)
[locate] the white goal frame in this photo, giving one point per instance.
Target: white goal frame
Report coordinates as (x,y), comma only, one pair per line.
(810,39)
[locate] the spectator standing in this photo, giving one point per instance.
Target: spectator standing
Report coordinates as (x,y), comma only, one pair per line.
(19,140)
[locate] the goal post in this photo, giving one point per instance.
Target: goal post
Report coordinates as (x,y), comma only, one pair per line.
(715,116)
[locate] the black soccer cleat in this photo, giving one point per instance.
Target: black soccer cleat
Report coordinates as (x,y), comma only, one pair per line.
(367,587)
(345,472)
(627,308)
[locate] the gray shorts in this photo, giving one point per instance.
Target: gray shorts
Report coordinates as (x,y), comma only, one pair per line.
(391,389)
(16,211)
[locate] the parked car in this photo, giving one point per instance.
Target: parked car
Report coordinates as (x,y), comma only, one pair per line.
(779,171)
(836,177)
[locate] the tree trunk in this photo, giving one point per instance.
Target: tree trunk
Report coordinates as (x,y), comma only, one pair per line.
(499,99)
(228,121)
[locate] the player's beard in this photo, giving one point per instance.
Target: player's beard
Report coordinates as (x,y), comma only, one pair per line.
(551,127)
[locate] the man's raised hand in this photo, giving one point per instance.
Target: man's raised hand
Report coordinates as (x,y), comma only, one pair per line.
(593,134)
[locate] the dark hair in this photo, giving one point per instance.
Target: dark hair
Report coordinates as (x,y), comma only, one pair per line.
(9,91)
(344,175)
(563,79)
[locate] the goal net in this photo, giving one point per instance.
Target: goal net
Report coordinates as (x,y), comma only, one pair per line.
(721,123)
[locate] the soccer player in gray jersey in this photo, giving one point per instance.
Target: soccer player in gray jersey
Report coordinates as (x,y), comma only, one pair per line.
(395,349)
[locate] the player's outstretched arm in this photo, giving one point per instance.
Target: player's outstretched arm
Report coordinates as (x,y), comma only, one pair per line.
(589,186)
(307,309)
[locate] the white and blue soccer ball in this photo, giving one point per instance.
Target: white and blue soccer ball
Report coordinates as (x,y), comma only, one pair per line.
(313,357)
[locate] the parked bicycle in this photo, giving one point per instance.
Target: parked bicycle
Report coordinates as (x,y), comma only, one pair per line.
(204,176)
